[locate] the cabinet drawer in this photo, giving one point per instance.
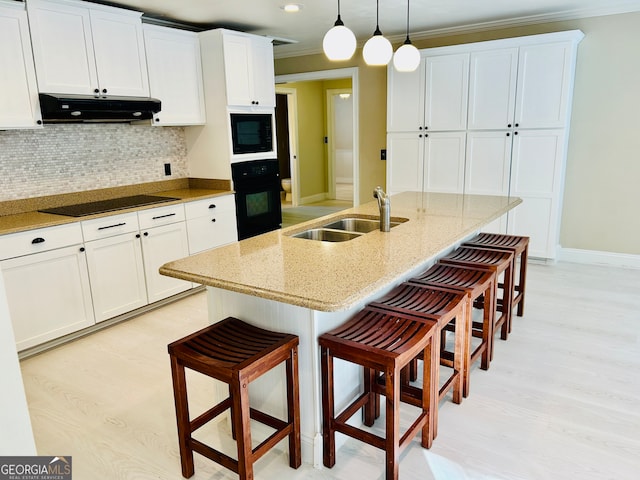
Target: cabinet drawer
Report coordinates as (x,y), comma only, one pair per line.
(210,232)
(39,240)
(155,217)
(109,226)
(209,206)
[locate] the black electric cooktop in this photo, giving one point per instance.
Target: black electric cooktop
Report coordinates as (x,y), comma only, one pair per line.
(102,206)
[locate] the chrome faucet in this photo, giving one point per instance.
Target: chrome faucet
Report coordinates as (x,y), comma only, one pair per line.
(384,204)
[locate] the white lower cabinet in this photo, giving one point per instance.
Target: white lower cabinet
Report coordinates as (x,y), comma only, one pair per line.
(211,223)
(161,244)
(47,284)
(116,270)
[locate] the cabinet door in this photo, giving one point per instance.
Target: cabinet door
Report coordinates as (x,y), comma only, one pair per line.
(492,89)
(488,163)
(264,85)
(117,275)
(119,51)
(447,91)
(19,107)
(159,246)
(537,177)
(405,153)
(48,295)
(444,154)
(175,75)
(62,48)
(544,84)
(405,99)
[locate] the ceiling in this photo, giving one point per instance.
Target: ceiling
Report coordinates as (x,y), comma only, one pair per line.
(428,17)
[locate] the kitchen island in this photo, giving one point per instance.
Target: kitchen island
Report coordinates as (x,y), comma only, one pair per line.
(307,287)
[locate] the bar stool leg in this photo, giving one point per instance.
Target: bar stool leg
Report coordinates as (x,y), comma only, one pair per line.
(293,410)
(524,258)
(430,380)
(370,406)
(328,434)
(392,419)
(242,420)
(182,416)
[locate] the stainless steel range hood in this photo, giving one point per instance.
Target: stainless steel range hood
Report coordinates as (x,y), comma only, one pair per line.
(87,108)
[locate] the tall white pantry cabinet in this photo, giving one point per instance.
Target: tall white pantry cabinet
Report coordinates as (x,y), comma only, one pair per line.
(488,118)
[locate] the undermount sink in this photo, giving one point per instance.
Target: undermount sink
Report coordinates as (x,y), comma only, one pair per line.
(326,235)
(355,224)
(344,229)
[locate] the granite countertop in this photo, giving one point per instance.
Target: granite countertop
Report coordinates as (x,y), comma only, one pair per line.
(23,215)
(329,276)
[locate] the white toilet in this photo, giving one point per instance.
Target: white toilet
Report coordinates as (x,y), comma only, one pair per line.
(286,186)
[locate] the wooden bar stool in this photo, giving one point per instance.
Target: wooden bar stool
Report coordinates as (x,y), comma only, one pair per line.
(477,283)
(517,245)
(500,262)
(381,341)
(236,353)
(446,307)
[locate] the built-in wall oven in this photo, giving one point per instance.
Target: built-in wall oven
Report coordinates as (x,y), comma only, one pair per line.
(257,187)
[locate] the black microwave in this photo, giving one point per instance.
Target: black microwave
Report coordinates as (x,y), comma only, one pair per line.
(251,132)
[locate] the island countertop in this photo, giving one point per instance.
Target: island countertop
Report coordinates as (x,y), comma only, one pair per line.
(334,276)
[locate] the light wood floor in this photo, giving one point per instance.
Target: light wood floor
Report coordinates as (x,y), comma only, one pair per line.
(560,401)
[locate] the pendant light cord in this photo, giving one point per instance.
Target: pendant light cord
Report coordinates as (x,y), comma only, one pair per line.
(377,32)
(339,21)
(407,41)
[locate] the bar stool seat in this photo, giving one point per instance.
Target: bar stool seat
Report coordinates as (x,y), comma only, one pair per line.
(235,353)
(517,245)
(381,341)
(448,308)
(477,283)
(500,262)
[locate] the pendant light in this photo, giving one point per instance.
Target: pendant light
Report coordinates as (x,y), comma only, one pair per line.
(377,50)
(407,57)
(339,42)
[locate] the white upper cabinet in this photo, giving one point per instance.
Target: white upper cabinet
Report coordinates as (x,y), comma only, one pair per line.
(544,85)
(434,97)
(248,66)
(492,89)
(19,106)
(175,75)
(82,48)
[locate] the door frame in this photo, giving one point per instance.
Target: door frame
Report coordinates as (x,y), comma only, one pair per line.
(331,128)
(351,72)
(292,111)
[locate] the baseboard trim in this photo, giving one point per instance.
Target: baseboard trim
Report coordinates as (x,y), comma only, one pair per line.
(594,257)
(318,197)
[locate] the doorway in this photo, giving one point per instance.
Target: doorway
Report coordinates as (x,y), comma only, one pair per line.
(329,147)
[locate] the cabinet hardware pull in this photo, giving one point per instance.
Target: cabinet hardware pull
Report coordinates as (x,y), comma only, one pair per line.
(146,234)
(508,134)
(137,235)
(37,240)
(213,219)
(163,216)
(213,205)
(82,249)
(112,226)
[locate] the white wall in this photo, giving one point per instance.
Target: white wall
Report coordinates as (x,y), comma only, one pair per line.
(16,436)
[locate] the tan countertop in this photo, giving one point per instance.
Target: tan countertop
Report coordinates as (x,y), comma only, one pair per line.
(328,276)
(22,215)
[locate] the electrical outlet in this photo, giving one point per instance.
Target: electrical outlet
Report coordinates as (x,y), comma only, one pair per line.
(167,169)
(383,154)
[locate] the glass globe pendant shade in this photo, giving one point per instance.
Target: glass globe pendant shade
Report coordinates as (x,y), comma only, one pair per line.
(377,50)
(406,58)
(339,43)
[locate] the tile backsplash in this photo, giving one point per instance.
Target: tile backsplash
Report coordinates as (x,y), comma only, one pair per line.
(66,158)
